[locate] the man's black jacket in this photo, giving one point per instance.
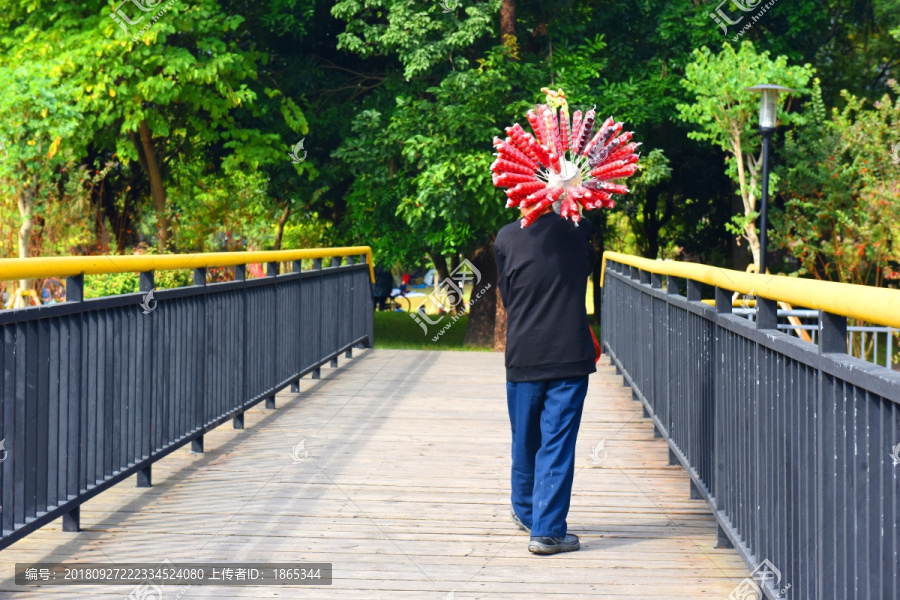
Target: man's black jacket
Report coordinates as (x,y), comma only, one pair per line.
(543,282)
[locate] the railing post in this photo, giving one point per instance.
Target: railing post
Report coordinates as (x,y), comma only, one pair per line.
(146,282)
(672,371)
(723,300)
(655,281)
(766,313)
(75,288)
(722,539)
(272,271)
(240,274)
(200,378)
(644,275)
(693,291)
(317,372)
(370,314)
(296,267)
(349,352)
(673,459)
(832,340)
(671,285)
(832,333)
(145,477)
(72,519)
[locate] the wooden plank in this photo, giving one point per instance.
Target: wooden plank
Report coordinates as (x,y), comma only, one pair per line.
(402,483)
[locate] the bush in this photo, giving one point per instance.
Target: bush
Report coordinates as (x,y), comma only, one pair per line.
(114,284)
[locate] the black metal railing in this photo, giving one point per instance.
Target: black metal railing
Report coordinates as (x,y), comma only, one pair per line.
(793,445)
(94,391)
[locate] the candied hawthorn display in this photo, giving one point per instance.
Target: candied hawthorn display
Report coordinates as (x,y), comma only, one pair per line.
(567,161)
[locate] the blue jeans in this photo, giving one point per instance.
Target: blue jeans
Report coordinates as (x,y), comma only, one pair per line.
(545,416)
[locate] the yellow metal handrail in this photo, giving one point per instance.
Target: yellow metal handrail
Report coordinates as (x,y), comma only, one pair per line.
(69,266)
(869,304)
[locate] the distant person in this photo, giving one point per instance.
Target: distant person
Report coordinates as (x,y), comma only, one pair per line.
(543,272)
(384,285)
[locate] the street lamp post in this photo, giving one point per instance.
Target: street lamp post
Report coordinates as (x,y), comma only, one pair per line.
(768,113)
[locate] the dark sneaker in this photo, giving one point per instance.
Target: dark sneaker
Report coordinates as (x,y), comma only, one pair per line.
(552,545)
(517,520)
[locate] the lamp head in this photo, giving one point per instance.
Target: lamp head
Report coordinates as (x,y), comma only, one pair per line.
(768,108)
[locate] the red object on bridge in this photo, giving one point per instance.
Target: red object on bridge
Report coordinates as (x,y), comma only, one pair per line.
(559,164)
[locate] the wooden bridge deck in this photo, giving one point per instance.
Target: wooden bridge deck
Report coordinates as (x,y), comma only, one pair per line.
(405,490)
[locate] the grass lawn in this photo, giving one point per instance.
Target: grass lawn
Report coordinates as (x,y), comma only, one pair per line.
(398,331)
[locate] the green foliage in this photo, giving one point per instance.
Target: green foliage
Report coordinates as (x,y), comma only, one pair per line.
(724,113)
(421,35)
(397,103)
(842,190)
(112,284)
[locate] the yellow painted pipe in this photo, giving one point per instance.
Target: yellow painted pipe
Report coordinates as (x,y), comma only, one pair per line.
(870,304)
(69,266)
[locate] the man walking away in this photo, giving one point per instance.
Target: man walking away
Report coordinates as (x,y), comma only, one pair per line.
(549,355)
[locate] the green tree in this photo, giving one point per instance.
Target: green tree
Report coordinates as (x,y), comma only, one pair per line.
(39,116)
(842,191)
(725,115)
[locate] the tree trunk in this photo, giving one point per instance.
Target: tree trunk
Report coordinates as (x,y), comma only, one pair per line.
(26,211)
(281,223)
(482,314)
(500,325)
(440,266)
(748,195)
(157,188)
(508,24)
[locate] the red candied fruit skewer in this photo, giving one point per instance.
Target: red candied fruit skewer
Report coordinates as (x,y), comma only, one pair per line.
(576,130)
(505,166)
(549,199)
(601,155)
(586,129)
(626,171)
(609,129)
(510,152)
(520,140)
(511,179)
(536,126)
(624,151)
